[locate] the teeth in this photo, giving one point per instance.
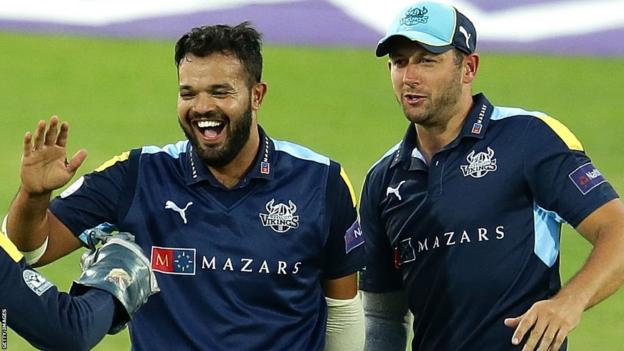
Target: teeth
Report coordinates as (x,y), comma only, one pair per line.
(208,124)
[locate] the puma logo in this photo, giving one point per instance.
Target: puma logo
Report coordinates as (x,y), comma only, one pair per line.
(466,35)
(181,211)
(395,190)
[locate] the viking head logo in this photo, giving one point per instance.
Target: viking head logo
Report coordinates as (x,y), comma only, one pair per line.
(280,217)
(479,164)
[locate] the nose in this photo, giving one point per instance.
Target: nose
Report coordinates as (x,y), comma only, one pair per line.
(412,74)
(203,103)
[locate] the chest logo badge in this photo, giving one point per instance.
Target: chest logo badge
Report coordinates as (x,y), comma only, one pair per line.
(280,217)
(480,164)
(395,190)
(181,211)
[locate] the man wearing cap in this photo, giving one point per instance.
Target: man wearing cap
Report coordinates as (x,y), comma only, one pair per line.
(462,217)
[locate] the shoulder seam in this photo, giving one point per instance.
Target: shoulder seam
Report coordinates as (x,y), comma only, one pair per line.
(173,150)
(385,156)
(300,152)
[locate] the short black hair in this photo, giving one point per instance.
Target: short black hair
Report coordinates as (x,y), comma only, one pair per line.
(243,41)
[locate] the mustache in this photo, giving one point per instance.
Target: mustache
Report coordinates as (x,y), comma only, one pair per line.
(217,114)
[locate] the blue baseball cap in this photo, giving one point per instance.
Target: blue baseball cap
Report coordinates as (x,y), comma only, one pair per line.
(436,26)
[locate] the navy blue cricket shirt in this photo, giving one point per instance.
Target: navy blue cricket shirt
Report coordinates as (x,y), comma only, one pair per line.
(238,269)
(474,236)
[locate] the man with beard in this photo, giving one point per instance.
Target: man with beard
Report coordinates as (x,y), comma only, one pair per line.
(462,218)
(255,241)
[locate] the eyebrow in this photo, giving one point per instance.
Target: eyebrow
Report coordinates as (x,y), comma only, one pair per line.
(212,87)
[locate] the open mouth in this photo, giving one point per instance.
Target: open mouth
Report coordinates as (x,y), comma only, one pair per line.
(210,129)
(413,98)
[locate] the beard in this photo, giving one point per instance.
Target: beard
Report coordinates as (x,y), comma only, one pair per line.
(238,135)
(440,108)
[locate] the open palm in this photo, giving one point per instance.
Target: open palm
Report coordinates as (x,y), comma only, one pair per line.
(45,166)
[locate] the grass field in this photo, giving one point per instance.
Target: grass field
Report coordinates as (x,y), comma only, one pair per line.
(119,95)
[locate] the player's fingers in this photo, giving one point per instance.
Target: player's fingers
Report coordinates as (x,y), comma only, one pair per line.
(61,140)
(534,337)
(548,338)
(559,340)
(51,133)
(525,324)
(76,161)
(512,322)
(27,144)
(39,134)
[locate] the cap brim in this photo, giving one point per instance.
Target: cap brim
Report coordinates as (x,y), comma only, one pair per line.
(430,43)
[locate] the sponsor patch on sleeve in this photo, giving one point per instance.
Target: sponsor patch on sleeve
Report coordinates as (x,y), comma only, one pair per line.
(586,178)
(353,237)
(36,282)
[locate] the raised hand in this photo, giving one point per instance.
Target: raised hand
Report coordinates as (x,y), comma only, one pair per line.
(45,166)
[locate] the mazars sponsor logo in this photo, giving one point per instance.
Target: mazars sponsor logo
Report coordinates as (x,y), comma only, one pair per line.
(250,265)
(181,261)
(408,249)
(173,260)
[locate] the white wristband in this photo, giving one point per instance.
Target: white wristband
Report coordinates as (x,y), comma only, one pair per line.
(33,256)
(4,225)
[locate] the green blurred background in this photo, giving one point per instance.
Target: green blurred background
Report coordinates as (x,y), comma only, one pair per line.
(121,94)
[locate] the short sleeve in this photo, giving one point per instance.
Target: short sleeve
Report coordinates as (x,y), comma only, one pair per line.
(380,274)
(98,197)
(561,176)
(344,252)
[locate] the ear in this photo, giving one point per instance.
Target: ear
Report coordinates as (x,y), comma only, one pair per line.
(470,67)
(257,95)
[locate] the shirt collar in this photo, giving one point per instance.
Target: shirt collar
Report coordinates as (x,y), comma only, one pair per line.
(478,118)
(475,125)
(262,167)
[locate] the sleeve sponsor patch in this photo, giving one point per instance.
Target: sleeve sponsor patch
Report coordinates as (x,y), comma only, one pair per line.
(353,237)
(586,178)
(36,282)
